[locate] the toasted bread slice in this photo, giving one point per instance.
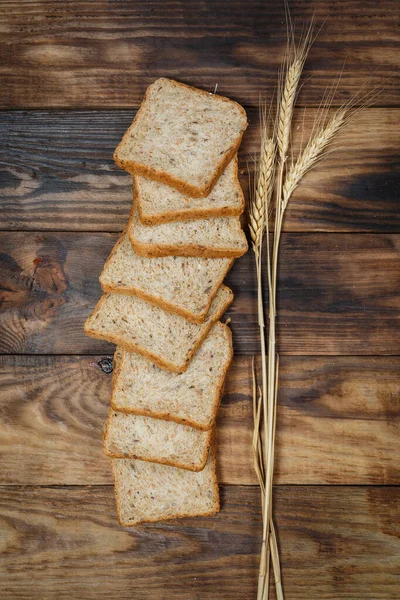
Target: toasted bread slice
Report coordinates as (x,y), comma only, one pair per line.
(217,237)
(192,398)
(156,440)
(182,285)
(182,136)
(160,203)
(146,492)
(168,340)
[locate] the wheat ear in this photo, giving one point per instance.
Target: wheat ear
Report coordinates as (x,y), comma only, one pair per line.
(311,154)
(262,193)
(286,106)
(265,181)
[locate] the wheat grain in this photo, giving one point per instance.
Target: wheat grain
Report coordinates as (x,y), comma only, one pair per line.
(311,154)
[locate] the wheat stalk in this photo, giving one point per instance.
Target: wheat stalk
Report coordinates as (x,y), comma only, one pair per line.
(258,224)
(286,99)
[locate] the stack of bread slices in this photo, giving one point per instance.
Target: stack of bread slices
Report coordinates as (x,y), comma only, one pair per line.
(163,300)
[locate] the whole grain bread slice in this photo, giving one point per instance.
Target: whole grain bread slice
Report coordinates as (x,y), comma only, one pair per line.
(155,440)
(159,203)
(211,238)
(182,136)
(182,285)
(168,340)
(147,492)
(192,398)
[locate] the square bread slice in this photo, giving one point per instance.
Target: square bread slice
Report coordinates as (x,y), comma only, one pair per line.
(154,440)
(182,285)
(147,492)
(168,340)
(160,203)
(217,237)
(182,136)
(192,398)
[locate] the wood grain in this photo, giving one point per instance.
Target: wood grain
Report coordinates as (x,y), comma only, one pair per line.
(338,294)
(53,408)
(76,185)
(68,55)
(66,544)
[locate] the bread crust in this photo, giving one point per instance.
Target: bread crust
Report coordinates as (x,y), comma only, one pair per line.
(164,177)
(179,465)
(168,416)
(159,361)
(154,250)
(192,213)
(182,515)
(197,318)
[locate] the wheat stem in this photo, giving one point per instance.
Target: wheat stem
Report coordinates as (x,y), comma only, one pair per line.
(259,214)
(259,469)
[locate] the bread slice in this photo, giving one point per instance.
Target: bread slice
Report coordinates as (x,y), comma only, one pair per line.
(154,440)
(182,136)
(168,340)
(181,285)
(146,492)
(211,238)
(192,398)
(160,203)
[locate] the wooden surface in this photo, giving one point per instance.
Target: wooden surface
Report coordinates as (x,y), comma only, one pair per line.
(70,55)
(53,408)
(339,293)
(344,539)
(77,187)
(73,74)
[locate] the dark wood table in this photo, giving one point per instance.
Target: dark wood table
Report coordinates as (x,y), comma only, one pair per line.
(72,76)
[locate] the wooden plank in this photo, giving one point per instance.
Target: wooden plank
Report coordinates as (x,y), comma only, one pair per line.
(77,186)
(338,294)
(53,409)
(65,543)
(68,55)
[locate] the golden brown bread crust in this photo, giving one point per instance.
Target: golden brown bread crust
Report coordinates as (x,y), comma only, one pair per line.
(163,177)
(191,213)
(159,361)
(214,511)
(170,463)
(155,251)
(167,416)
(158,301)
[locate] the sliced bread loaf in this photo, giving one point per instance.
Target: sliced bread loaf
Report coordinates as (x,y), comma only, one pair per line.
(182,285)
(146,492)
(182,136)
(159,203)
(193,397)
(155,440)
(212,238)
(168,340)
